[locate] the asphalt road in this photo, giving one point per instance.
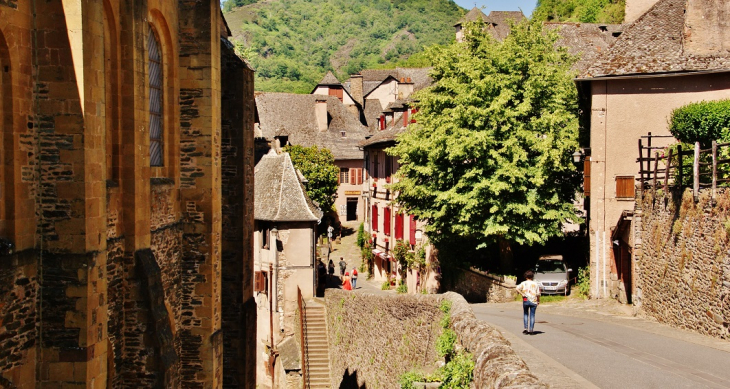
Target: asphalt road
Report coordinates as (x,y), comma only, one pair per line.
(583,352)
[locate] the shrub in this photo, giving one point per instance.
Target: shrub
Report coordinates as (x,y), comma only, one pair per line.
(361,236)
(402,287)
(385,285)
(583,286)
(701,122)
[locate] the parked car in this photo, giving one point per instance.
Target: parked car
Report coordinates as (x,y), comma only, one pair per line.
(552,275)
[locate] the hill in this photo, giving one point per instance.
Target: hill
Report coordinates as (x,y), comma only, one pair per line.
(584,11)
(292,43)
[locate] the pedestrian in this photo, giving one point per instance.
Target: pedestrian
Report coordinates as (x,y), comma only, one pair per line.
(530,291)
(331,268)
(330,230)
(346,285)
(343,266)
(321,273)
(353,278)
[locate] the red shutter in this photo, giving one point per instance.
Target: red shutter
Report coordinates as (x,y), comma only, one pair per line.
(375,218)
(386,221)
(258,282)
(399,226)
(413,230)
(405,118)
(359,176)
(352,176)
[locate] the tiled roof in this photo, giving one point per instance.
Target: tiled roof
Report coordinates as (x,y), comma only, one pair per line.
(279,194)
(372,111)
(329,79)
(471,16)
(372,78)
(654,43)
(293,115)
(586,40)
(390,133)
(500,22)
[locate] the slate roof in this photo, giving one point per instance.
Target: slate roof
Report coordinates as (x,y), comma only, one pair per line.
(293,115)
(278,193)
(654,43)
(372,110)
(389,134)
(329,79)
(473,15)
(587,40)
(500,22)
(373,78)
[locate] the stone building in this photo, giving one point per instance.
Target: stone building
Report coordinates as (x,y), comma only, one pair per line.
(126,191)
(323,121)
(671,55)
(284,263)
(497,23)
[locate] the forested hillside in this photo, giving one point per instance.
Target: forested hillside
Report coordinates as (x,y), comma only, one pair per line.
(584,11)
(292,43)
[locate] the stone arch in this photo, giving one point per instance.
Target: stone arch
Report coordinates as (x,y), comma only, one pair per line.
(7,186)
(160,27)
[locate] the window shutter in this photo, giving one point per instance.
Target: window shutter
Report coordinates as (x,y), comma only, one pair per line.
(374,218)
(359,176)
(587,178)
(353,177)
(625,187)
(386,221)
(258,282)
(399,226)
(412,231)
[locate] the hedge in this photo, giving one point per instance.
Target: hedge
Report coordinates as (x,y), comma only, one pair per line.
(701,122)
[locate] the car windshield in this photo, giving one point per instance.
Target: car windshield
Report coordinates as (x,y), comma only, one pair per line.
(550,267)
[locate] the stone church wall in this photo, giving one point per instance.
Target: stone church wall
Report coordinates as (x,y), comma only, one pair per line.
(683,270)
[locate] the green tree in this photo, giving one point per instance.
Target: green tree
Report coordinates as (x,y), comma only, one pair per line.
(228,5)
(584,11)
(318,166)
(490,157)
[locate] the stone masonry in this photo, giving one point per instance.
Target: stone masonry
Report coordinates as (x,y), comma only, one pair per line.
(111,270)
(683,271)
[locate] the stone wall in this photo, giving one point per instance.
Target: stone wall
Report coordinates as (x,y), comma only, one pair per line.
(480,287)
(496,364)
(683,268)
(374,339)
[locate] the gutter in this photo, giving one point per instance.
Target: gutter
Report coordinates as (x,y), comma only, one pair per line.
(681,73)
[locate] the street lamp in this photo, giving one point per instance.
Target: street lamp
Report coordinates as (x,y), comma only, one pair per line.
(577,156)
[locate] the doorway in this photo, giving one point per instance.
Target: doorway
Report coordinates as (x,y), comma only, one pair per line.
(351,208)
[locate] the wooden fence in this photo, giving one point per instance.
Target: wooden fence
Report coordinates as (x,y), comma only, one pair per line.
(665,167)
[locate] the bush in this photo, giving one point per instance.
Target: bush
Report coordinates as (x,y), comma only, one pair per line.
(402,287)
(385,285)
(701,122)
(361,236)
(583,286)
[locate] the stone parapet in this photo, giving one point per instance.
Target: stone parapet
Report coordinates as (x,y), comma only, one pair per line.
(480,287)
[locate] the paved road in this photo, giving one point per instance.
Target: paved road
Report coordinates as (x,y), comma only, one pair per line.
(589,350)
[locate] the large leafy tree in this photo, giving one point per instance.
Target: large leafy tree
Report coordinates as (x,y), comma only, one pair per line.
(318,166)
(490,159)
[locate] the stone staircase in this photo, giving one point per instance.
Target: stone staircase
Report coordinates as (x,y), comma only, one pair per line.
(317,348)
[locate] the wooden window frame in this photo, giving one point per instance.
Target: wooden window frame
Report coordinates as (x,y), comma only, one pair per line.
(344,175)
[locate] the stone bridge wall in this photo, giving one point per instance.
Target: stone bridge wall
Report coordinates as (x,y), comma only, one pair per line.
(683,267)
(479,287)
(374,339)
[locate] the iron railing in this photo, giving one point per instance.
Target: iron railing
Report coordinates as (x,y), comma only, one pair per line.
(302,305)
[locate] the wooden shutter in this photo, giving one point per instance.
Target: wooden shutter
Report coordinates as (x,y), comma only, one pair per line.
(374,217)
(386,221)
(359,176)
(412,231)
(625,187)
(337,92)
(258,283)
(353,177)
(399,226)
(587,178)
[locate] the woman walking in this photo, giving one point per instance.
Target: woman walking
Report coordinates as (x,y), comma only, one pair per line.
(331,269)
(346,285)
(530,291)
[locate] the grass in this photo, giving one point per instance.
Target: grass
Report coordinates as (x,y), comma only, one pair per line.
(552,298)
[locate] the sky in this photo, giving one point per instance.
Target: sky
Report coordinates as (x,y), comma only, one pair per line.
(500,5)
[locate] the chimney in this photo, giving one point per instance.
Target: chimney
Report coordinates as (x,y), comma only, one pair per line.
(356,89)
(635,8)
(706,28)
(382,122)
(405,118)
(320,111)
(405,88)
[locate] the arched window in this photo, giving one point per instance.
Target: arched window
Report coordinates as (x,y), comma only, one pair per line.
(156,98)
